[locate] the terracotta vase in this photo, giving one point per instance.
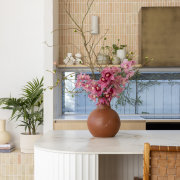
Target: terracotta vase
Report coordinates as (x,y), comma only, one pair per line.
(103,122)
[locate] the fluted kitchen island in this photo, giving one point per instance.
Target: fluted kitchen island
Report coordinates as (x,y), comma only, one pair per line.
(76,155)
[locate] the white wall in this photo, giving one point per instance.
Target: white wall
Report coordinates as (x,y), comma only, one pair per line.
(51,55)
(21,49)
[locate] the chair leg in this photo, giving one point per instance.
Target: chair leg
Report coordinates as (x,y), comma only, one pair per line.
(146,161)
(137,178)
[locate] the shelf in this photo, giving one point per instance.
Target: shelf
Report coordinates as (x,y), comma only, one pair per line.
(96,66)
(63,67)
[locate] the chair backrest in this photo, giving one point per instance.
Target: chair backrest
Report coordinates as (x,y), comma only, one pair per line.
(161,162)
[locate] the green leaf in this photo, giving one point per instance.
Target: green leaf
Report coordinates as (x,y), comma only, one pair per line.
(28,108)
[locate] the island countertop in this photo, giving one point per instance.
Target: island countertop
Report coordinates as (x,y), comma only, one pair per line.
(125,142)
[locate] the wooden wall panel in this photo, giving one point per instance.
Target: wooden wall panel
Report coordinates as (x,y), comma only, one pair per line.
(82,125)
(161,35)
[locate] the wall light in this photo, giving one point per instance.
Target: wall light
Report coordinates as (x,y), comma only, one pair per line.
(94,25)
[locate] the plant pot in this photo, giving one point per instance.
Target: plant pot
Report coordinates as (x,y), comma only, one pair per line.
(4,135)
(121,53)
(103,122)
(27,142)
(103,59)
(116,60)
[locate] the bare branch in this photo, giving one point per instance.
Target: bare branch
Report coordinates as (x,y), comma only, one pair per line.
(89,39)
(88,3)
(65,29)
(45,42)
(67,10)
(88,9)
(92,45)
(103,36)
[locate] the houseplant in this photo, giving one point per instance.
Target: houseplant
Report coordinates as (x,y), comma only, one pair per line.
(28,111)
(103,121)
(119,50)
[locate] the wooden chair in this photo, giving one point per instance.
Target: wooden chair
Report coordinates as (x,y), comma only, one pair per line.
(161,162)
(136,178)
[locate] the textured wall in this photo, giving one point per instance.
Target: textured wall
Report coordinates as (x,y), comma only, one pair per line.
(16,166)
(121,17)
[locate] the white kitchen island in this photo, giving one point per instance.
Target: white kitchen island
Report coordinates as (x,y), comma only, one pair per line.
(76,155)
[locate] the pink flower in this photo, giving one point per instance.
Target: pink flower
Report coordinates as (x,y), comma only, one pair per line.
(103,80)
(92,97)
(83,77)
(107,74)
(115,70)
(130,74)
(127,65)
(111,83)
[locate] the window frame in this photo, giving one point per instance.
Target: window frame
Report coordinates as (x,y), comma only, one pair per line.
(81,69)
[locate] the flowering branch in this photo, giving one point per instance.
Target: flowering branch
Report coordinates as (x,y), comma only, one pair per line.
(111,83)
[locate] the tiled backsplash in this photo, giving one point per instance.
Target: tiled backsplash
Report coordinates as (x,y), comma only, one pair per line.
(16,166)
(121,17)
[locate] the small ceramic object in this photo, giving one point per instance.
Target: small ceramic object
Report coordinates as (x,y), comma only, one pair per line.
(69,60)
(27,142)
(78,58)
(103,59)
(4,135)
(116,60)
(103,122)
(121,53)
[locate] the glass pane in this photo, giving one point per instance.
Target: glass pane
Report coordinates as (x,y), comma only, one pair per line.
(153,93)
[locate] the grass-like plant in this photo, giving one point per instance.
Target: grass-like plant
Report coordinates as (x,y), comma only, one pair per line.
(27,109)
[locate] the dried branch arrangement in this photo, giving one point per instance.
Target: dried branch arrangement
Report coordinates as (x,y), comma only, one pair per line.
(90,43)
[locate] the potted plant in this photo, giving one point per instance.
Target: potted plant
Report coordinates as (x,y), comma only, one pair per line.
(119,50)
(104,121)
(28,111)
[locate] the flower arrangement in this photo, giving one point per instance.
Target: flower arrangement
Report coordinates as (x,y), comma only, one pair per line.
(111,84)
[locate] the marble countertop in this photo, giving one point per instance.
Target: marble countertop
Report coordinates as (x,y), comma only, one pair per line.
(125,142)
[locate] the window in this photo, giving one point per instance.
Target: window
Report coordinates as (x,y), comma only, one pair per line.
(151,95)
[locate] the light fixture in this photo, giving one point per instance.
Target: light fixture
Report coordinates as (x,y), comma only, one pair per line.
(94,25)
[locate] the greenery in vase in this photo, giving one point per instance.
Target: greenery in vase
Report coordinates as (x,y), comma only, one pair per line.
(111,51)
(28,109)
(126,98)
(117,47)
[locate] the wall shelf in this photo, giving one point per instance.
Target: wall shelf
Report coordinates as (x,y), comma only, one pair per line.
(63,67)
(85,66)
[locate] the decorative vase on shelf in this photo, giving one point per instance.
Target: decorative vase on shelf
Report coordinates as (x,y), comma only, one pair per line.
(103,59)
(69,60)
(4,135)
(116,60)
(121,53)
(103,122)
